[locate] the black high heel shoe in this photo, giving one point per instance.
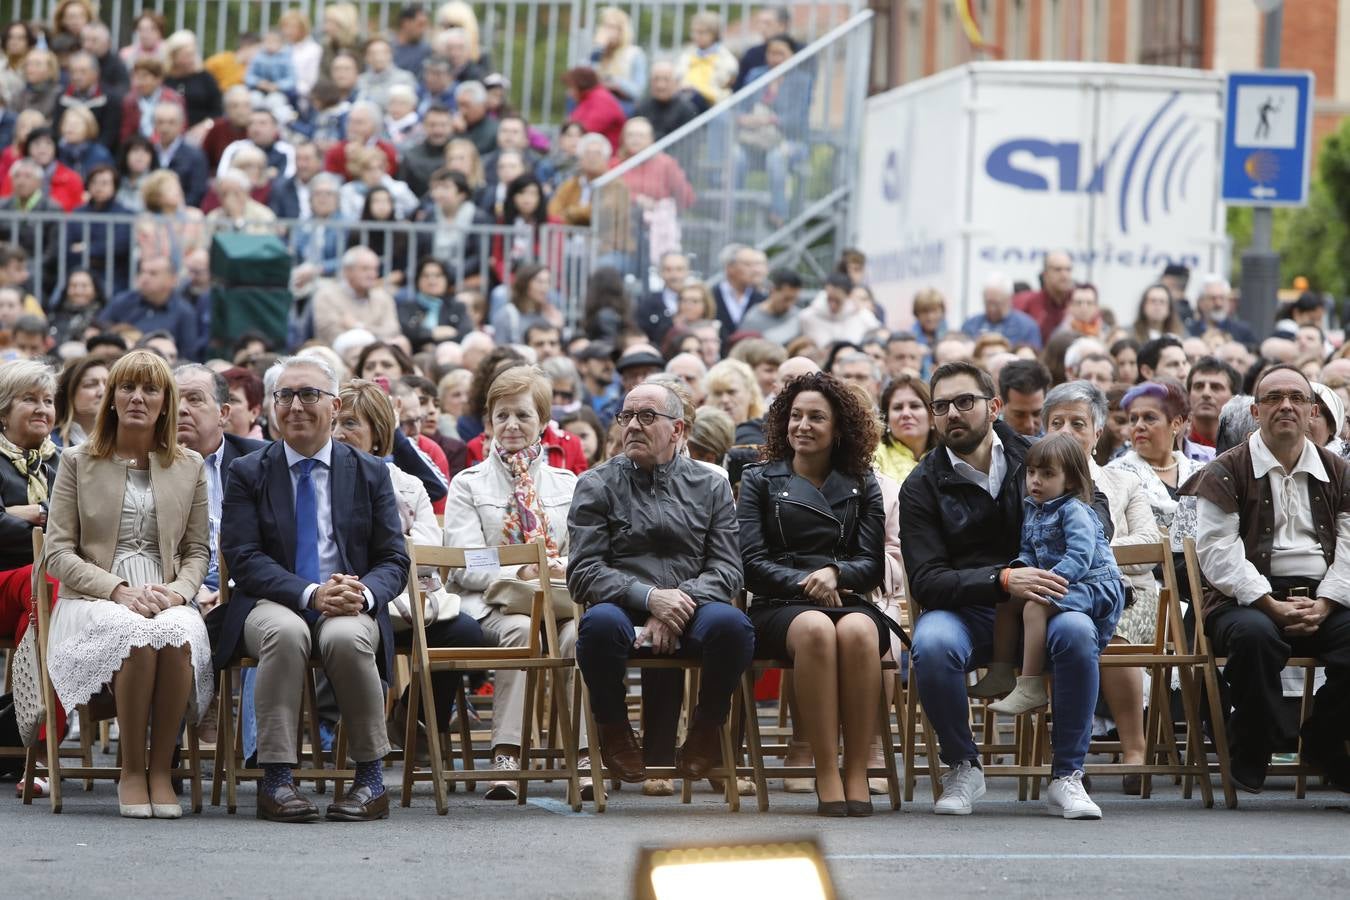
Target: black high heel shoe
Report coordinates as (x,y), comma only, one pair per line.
(832,809)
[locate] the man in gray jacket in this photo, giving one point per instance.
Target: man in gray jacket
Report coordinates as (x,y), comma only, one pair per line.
(655,558)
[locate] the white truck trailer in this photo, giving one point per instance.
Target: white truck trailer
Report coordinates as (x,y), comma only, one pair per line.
(984,168)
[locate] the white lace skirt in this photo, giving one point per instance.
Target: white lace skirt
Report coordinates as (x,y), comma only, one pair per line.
(90,638)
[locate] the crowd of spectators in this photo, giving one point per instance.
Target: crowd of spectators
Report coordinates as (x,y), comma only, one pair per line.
(450,358)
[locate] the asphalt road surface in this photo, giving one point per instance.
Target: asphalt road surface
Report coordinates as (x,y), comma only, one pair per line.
(1272,846)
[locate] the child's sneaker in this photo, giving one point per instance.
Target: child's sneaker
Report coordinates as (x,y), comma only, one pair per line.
(962,785)
(997,682)
(1028,695)
(1068,798)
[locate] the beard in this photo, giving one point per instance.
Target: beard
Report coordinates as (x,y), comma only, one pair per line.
(967,440)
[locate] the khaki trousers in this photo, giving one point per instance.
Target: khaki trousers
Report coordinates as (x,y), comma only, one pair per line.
(508,687)
(281,641)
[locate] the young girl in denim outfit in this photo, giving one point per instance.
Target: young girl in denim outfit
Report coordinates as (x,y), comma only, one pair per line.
(1060,533)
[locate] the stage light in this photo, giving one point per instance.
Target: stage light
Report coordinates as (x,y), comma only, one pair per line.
(784,870)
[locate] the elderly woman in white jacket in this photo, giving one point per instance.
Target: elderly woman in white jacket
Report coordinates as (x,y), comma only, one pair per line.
(512,497)
(1079,410)
(366,420)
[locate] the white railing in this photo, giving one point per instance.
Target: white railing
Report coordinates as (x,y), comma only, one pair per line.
(531,42)
(764,166)
(109,246)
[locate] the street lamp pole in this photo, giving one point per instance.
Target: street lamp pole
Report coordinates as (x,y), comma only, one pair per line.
(1260,264)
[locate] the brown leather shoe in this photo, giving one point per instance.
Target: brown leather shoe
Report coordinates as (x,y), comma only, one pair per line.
(702,750)
(359,806)
(286,805)
(621,752)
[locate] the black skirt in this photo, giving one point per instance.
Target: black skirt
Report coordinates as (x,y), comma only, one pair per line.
(772,618)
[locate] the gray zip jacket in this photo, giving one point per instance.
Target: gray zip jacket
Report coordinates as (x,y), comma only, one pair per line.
(632,531)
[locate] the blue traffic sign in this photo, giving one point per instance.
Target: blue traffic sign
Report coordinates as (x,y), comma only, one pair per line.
(1267,139)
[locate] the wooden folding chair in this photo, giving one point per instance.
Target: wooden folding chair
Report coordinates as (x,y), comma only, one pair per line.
(727,772)
(538,657)
(1168,651)
(189,770)
(229,768)
(1300,770)
(758,750)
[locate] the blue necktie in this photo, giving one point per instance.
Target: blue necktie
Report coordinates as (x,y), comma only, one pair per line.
(306,524)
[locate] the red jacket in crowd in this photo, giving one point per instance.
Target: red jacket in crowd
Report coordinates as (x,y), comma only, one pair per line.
(598,111)
(66,187)
(131,110)
(563,449)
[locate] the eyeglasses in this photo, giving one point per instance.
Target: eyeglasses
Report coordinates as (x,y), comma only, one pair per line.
(308,396)
(1277,398)
(963,403)
(645,417)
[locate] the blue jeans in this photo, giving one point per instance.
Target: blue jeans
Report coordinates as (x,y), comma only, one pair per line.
(719,634)
(950,643)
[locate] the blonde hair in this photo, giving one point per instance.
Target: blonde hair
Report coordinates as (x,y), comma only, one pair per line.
(181,40)
(82,115)
(475,176)
(152,188)
(458,14)
(730,373)
(529,380)
(929,298)
(21,375)
(756,352)
(369,401)
(145,368)
(348,21)
(615,60)
(295,16)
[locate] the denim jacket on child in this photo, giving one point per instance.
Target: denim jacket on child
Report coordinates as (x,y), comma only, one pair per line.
(1065,536)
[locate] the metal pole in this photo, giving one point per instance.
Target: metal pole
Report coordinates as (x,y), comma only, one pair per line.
(1260,264)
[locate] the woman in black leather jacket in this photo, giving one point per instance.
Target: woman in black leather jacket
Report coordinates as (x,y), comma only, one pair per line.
(812,529)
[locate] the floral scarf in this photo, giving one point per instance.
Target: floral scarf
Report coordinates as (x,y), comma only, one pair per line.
(525,520)
(28,463)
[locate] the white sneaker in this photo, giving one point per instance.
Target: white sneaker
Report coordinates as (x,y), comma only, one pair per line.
(962,785)
(1068,798)
(503,790)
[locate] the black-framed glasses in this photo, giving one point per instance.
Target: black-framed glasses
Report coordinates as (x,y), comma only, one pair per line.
(963,403)
(308,396)
(1277,398)
(645,417)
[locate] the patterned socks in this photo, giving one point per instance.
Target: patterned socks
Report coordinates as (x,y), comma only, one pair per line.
(368,775)
(275,777)
(371,775)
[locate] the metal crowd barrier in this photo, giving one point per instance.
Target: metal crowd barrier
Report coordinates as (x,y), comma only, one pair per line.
(531,42)
(760,168)
(110,247)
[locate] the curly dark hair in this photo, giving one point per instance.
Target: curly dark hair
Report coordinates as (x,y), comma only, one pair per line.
(855,430)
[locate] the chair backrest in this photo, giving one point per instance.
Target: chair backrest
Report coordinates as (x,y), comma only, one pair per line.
(1168,623)
(42,599)
(1196,581)
(444,560)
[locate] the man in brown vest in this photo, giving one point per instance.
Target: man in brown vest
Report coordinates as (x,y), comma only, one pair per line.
(1273,517)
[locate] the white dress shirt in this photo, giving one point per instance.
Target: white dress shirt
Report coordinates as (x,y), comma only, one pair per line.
(330,559)
(736,304)
(998,468)
(1295,551)
(214,498)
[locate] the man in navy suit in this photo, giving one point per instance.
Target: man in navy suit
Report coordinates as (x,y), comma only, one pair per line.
(177,155)
(736,293)
(311,532)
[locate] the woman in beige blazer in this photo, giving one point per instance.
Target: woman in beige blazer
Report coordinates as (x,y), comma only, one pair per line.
(128,543)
